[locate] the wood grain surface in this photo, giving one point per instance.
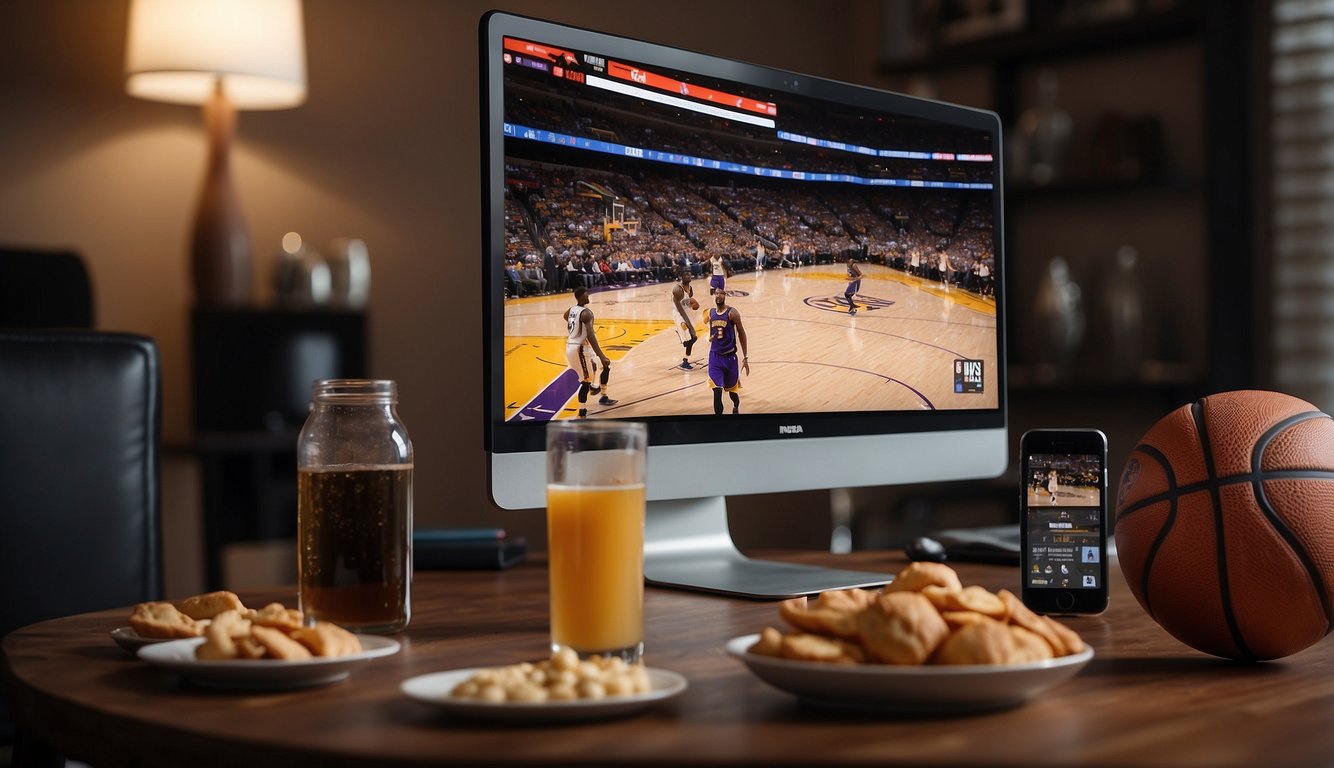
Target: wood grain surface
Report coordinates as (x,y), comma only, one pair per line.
(1144,699)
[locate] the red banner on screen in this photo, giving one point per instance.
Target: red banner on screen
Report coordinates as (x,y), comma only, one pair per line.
(547,52)
(672,85)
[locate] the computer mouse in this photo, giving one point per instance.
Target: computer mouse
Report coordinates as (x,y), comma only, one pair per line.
(925,548)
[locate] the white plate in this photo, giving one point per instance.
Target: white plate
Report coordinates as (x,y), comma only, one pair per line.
(130,640)
(434,689)
(179,656)
(928,688)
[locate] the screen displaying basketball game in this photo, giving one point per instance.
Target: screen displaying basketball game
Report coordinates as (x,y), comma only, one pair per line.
(680,246)
(1063,498)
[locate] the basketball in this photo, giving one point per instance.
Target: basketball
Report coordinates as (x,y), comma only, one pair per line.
(694,303)
(1223,524)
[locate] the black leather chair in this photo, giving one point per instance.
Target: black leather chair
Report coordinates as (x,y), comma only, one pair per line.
(80,427)
(44,289)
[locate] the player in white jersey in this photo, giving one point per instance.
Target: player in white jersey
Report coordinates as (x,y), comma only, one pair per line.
(719,274)
(581,339)
(682,295)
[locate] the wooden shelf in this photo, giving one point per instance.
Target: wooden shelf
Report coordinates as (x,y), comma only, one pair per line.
(1049,41)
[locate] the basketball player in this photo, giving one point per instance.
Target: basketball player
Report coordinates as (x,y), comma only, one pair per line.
(854,285)
(581,337)
(682,294)
(725,333)
(1052,482)
(719,274)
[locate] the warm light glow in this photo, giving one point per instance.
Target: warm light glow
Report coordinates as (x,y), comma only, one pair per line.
(177,49)
(292,243)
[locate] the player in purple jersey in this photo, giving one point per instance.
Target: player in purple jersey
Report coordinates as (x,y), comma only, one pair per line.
(854,285)
(725,334)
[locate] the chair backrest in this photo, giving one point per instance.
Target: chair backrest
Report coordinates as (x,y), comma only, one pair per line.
(44,289)
(80,426)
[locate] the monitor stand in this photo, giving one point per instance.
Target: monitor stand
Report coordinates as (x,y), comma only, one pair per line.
(687,545)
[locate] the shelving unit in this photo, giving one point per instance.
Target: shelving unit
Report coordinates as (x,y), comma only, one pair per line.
(1189,65)
(1192,65)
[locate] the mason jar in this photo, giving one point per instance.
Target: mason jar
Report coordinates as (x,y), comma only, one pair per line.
(354,507)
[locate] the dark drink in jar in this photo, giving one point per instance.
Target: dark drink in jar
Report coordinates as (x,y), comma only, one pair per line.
(355,549)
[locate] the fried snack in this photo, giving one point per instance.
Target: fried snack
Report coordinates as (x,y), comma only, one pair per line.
(163,620)
(278,616)
(801,646)
(233,623)
(924,616)
(769,644)
(1028,646)
(208,605)
(901,628)
(218,645)
(923,574)
(984,642)
(957,619)
(325,639)
(1071,639)
(248,648)
(278,645)
(1022,616)
(834,614)
(972,598)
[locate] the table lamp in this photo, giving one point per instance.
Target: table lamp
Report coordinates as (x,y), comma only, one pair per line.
(226,55)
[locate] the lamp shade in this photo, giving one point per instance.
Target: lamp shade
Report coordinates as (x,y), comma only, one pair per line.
(179,51)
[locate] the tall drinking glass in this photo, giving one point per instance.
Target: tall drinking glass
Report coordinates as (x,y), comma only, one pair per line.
(595,532)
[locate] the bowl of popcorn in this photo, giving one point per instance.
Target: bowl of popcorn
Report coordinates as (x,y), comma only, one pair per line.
(924,642)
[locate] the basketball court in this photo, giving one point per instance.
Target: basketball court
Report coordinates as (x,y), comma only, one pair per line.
(806,353)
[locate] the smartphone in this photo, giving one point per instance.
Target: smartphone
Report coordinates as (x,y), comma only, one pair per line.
(1063,520)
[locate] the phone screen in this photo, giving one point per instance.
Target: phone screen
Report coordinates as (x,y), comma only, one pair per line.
(1063,516)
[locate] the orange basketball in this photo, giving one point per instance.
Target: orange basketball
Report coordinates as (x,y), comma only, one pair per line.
(1225,524)
(694,303)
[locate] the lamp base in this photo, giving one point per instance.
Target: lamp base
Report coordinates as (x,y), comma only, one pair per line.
(219,245)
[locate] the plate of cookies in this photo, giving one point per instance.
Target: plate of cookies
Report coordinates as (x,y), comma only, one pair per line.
(221,643)
(559,689)
(922,644)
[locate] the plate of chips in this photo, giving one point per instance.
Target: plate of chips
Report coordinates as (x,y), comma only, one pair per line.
(178,656)
(920,688)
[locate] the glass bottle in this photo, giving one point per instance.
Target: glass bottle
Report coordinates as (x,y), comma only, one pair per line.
(1044,131)
(354,507)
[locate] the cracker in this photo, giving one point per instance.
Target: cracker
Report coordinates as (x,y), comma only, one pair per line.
(278,616)
(278,645)
(985,642)
(163,620)
(769,644)
(923,574)
(901,628)
(210,604)
(802,646)
(325,639)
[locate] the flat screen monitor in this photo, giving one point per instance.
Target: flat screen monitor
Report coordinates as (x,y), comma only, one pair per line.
(842,243)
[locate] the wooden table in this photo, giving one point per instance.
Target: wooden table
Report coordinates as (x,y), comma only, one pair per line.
(1145,699)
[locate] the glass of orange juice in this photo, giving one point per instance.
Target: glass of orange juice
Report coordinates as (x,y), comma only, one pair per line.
(595,536)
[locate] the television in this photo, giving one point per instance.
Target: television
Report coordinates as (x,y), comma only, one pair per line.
(657,162)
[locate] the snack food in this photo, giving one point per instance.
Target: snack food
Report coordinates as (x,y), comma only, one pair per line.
(563,677)
(162,620)
(924,616)
(210,604)
(232,631)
